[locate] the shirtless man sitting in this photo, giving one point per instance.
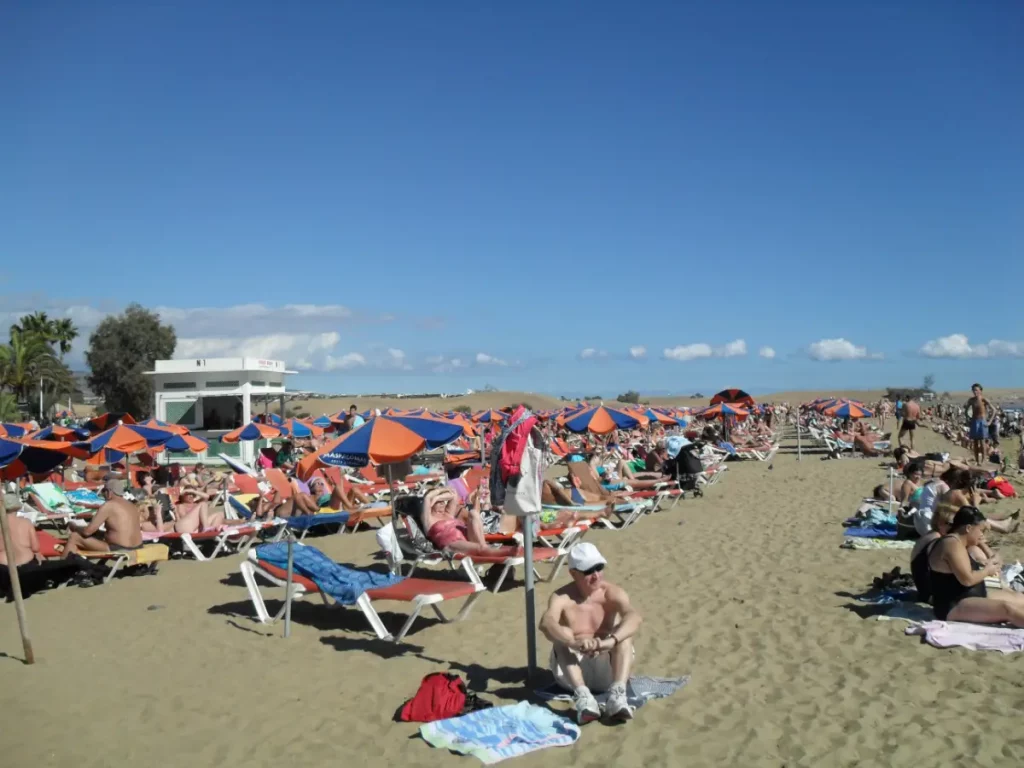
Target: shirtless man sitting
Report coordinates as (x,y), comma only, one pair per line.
(591,625)
(123,526)
(24,541)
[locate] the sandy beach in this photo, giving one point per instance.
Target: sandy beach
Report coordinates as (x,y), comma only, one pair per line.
(745,589)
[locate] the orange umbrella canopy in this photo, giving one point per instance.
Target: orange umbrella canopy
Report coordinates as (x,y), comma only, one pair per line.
(602,420)
(251,431)
(385,440)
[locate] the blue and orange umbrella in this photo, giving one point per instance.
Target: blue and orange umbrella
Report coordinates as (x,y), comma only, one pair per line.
(126,438)
(725,410)
(601,420)
(20,457)
(324,422)
(251,431)
(106,421)
(176,428)
(849,410)
(490,417)
(387,439)
(60,434)
(298,428)
(15,430)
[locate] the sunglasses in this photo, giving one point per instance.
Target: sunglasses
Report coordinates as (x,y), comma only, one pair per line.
(596,569)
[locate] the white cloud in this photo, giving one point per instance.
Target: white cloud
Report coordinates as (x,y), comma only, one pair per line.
(959,346)
(736,348)
(591,354)
(829,350)
(345,362)
(440,364)
(638,352)
(685,352)
(767,353)
(482,358)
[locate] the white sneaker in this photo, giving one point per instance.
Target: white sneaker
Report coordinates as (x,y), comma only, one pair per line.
(617,707)
(586,706)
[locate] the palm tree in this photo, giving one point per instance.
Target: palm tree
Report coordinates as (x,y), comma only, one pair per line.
(38,323)
(64,332)
(9,410)
(28,362)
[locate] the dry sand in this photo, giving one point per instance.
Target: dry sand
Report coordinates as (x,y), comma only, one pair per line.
(745,589)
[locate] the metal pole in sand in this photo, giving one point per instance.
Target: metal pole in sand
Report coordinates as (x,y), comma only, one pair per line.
(531,635)
(19,604)
(288,588)
(799,441)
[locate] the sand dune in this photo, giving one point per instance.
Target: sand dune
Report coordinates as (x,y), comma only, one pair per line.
(745,589)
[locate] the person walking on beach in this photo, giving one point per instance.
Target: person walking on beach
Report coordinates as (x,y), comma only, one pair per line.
(591,625)
(980,411)
(911,414)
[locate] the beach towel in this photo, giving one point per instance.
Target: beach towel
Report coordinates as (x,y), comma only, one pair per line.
(855,543)
(872,532)
(887,596)
(639,690)
(305,522)
(493,735)
(674,444)
(84,497)
(907,611)
(342,583)
(975,637)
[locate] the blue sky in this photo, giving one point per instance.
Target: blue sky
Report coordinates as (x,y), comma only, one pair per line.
(409,196)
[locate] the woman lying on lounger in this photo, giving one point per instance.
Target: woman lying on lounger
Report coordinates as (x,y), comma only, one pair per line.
(957,581)
(457,528)
(339,498)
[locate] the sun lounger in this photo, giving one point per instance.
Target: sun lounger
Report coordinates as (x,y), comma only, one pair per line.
(116,561)
(418,593)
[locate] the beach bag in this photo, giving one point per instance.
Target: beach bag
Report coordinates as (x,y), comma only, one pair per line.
(441,695)
(523,493)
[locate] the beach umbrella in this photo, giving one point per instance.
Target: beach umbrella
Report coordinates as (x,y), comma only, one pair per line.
(19,429)
(60,434)
(33,457)
(126,438)
(251,431)
(724,410)
(176,428)
(324,421)
(849,411)
(387,439)
(490,417)
(601,420)
(732,396)
(298,428)
(659,417)
(183,443)
(106,421)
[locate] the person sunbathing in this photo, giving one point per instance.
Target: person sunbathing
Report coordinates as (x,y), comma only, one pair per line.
(910,486)
(957,580)
(457,529)
(195,515)
(348,498)
(962,493)
(118,515)
(591,624)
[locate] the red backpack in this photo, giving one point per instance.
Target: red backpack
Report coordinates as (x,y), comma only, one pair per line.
(440,696)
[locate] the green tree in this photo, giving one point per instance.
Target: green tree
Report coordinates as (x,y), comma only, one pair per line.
(27,363)
(462,409)
(64,333)
(929,382)
(629,397)
(9,410)
(38,323)
(121,349)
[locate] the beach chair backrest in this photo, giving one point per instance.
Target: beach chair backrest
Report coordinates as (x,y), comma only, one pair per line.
(584,473)
(406,513)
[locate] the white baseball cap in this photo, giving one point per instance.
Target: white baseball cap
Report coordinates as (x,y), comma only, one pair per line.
(585,556)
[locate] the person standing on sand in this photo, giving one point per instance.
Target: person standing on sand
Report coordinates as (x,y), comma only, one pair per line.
(911,414)
(980,410)
(591,625)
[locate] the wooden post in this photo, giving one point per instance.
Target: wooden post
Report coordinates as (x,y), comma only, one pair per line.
(19,603)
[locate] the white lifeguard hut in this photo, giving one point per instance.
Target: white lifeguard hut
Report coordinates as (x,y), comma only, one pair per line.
(212,396)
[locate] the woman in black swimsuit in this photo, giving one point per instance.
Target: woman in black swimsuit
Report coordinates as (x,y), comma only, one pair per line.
(958,581)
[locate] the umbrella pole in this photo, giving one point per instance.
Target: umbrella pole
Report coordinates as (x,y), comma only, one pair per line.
(531,634)
(288,587)
(19,604)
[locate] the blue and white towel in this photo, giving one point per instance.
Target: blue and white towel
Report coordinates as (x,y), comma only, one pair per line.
(342,583)
(496,734)
(639,690)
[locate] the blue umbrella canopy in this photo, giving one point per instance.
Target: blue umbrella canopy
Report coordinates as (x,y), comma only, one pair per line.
(387,439)
(600,420)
